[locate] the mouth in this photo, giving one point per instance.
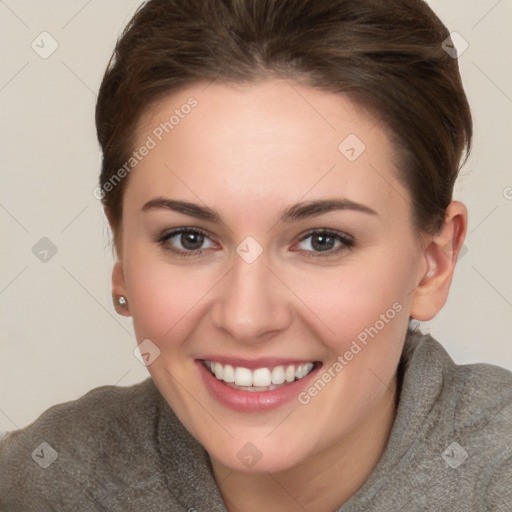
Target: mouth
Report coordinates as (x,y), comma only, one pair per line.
(259,388)
(259,379)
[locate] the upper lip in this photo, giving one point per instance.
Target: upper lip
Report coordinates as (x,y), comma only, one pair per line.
(252,364)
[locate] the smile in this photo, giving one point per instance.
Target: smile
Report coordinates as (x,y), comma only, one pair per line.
(258,379)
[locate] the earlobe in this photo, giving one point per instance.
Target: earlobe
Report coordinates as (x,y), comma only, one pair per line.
(119,294)
(440,255)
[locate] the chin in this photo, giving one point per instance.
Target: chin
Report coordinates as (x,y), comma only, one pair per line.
(254,458)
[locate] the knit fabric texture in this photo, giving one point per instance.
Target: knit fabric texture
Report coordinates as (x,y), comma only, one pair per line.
(123,448)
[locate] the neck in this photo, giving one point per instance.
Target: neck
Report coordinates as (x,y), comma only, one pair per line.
(323,481)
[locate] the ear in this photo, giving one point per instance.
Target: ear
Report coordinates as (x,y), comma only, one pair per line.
(118,282)
(440,256)
(119,289)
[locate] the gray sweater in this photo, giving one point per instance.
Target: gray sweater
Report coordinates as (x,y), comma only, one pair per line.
(123,449)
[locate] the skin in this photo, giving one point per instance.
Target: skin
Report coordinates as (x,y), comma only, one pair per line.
(249,151)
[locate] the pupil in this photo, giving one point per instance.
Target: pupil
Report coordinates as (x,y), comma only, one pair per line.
(325,242)
(192,241)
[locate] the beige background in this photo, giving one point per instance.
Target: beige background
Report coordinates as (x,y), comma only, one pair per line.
(59,334)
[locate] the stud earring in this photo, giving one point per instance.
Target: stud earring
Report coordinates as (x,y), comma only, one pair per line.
(121,301)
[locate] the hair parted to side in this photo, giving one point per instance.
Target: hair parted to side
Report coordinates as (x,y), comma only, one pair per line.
(384,54)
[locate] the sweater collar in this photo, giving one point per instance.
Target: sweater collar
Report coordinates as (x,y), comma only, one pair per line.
(422,378)
(427,394)
(186,465)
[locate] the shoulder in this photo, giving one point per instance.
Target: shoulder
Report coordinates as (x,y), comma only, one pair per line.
(71,441)
(458,418)
(478,406)
(483,418)
(484,398)
(478,394)
(102,407)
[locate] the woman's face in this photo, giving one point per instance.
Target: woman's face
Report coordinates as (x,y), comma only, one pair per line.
(268,280)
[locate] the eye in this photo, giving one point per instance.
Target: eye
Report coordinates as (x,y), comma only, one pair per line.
(190,242)
(185,241)
(324,242)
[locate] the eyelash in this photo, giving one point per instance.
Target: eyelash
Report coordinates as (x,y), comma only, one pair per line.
(346,241)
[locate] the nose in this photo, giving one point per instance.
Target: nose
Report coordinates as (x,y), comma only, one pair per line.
(252,305)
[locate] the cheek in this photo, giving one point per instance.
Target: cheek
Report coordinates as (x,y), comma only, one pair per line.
(358,301)
(165,300)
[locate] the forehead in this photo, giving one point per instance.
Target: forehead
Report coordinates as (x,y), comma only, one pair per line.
(277,111)
(262,144)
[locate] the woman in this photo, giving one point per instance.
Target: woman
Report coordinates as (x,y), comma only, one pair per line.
(278,178)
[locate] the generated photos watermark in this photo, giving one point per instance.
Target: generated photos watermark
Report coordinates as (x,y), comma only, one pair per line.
(343,360)
(151,142)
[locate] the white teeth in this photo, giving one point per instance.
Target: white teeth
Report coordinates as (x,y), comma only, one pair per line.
(261,379)
(229,374)
(243,377)
(217,368)
(290,373)
(278,375)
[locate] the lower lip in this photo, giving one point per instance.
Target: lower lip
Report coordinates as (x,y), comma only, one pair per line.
(252,401)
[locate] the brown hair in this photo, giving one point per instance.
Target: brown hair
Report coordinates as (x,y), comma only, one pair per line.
(385,55)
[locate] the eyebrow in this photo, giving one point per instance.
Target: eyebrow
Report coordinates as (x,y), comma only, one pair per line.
(299,211)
